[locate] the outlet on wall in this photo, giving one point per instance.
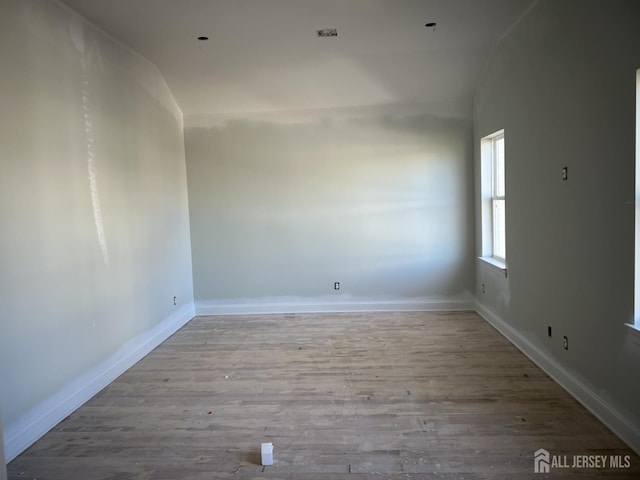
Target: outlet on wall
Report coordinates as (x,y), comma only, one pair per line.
(336,286)
(175,300)
(565,343)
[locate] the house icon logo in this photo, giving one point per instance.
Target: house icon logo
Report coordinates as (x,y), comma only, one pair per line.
(541,461)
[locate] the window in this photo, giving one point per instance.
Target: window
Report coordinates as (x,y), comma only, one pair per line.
(494,246)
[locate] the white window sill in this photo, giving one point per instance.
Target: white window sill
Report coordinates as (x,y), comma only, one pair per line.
(634,330)
(495,264)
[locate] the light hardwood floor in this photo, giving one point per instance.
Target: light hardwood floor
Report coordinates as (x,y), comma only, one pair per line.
(406,395)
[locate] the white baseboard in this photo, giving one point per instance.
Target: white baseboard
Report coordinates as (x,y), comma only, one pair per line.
(22,433)
(598,406)
(320,306)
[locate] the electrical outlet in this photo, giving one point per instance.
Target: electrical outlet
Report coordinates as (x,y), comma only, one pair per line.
(549,331)
(565,343)
(175,300)
(483,288)
(565,173)
(336,286)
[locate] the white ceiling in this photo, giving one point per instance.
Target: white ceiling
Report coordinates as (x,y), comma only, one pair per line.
(264,55)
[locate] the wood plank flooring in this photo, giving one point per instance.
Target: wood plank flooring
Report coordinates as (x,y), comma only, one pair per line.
(408,395)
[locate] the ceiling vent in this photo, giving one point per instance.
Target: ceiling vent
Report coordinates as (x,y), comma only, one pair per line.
(328,32)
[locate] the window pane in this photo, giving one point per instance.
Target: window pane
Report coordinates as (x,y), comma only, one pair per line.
(498,152)
(499,243)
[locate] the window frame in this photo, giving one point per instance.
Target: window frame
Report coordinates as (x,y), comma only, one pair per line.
(489,196)
(496,197)
(635,321)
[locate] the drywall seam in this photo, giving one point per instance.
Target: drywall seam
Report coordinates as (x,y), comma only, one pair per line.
(499,41)
(120,43)
(516,22)
(604,411)
(214,308)
(95,26)
(35,423)
(91,154)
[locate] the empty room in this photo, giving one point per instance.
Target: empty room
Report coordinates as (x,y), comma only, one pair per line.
(319,239)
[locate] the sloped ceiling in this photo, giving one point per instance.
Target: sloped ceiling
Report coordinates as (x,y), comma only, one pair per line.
(264,55)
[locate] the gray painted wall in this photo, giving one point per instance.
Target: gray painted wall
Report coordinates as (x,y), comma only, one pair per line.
(562,85)
(284,205)
(93,201)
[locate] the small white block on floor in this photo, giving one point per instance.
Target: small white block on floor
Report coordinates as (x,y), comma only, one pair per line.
(267,454)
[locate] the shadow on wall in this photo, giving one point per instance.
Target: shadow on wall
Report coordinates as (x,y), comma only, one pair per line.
(379,202)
